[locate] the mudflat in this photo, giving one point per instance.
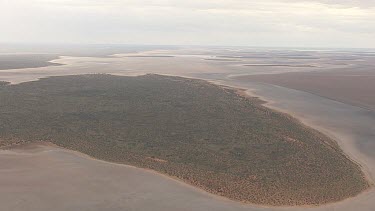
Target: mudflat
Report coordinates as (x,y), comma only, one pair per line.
(209,136)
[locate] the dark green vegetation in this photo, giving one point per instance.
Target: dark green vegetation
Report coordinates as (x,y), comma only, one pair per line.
(207,135)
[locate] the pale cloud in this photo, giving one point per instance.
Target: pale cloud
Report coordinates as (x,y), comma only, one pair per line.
(342,3)
(218,22)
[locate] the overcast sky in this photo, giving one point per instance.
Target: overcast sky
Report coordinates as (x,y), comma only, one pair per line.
(310,23)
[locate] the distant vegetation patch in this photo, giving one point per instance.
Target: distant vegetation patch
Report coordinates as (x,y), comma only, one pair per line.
(19,61)
(4,83)
(206,135)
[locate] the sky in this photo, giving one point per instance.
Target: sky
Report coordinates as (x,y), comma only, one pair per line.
(276,23)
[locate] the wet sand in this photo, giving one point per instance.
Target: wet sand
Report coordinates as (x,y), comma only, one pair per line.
(352,127)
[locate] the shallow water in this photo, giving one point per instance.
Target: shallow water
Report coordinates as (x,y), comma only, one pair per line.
(109,187)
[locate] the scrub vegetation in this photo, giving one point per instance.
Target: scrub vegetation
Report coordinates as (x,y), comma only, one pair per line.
(210,136)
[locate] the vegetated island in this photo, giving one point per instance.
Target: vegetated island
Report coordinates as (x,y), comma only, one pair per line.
(210,136)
